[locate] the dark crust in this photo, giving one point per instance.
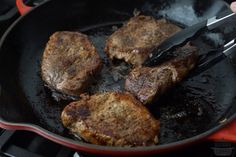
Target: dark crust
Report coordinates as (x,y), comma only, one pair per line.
(148,83)
(114,119)
(134,41)
(69,62)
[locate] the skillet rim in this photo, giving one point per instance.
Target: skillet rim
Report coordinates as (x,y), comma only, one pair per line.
(92,148)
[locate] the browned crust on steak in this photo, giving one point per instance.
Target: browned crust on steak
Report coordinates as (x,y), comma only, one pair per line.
(114,119)
(134,41)
(147,83)
(69,62)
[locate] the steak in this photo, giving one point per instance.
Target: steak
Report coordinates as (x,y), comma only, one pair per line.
(135,40)
(147,83)
(114,119)
(69,62)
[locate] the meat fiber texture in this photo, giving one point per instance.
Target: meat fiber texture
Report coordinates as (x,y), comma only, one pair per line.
(135,40)
(114,119)
(148,83)
(69,62)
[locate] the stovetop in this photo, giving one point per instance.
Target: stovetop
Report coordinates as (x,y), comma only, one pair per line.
(28,144)
(23,144)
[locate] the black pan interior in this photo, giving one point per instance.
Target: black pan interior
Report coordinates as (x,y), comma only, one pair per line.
(195,105)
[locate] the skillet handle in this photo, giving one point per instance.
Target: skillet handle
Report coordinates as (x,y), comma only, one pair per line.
(23,9)
(226,134)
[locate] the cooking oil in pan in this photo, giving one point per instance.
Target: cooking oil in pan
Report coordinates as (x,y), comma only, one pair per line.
(186,110)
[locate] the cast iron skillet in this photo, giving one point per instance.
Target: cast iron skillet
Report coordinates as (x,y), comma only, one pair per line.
(190,112)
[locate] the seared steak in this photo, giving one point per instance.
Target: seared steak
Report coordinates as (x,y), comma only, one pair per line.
(147,83)
(135,40)
(114,119)
(69,62)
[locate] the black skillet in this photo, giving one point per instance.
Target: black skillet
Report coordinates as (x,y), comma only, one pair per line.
(189,112)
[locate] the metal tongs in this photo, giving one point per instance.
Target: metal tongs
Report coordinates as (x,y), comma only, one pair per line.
(186,34)
(212,57)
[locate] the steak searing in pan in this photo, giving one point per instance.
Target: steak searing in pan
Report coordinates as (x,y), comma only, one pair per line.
(134,41)
(69,62)
(115,119)
(147,83)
